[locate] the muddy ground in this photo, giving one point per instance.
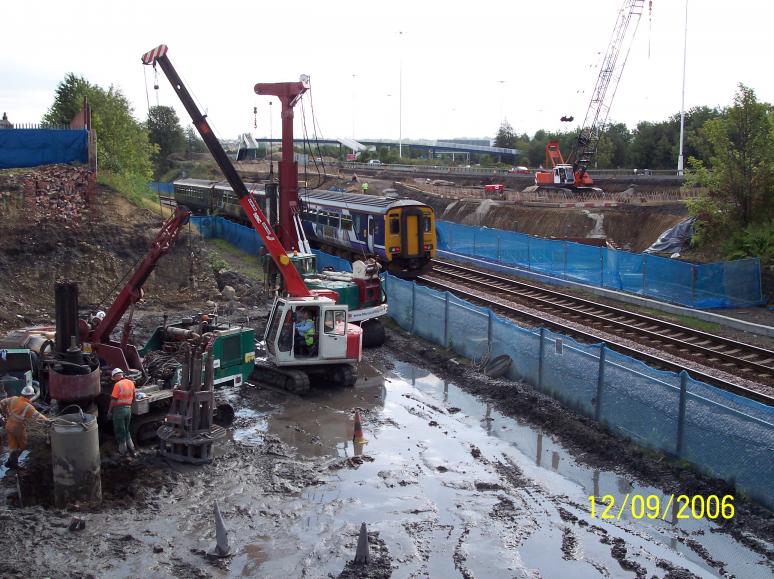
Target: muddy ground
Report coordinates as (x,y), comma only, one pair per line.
(462,476)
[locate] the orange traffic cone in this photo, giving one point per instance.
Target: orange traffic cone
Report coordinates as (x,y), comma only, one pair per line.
(357,438)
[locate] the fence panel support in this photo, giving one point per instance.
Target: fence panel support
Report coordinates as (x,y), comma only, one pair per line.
(681,413)
(540,357)
(600,383)
(413,305)
(489,330)
(446,320)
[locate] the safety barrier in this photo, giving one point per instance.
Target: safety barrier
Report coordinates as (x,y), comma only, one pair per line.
(723,434)
(246,239)
(162,188)
(729,284)
(35,147)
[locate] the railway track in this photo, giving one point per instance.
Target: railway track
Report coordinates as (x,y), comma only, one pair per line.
(747,361)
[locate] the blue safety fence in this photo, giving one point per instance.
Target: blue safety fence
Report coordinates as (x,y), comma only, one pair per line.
(731,284)
(35,147)
(723,434)
(162,188)
(244,238)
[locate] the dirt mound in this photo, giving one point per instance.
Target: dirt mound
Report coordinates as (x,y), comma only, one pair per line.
(632,228)
(98,246)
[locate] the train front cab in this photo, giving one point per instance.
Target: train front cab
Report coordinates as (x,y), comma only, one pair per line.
(409,240)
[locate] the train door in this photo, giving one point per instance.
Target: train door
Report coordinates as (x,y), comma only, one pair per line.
(411,232)
(371,231)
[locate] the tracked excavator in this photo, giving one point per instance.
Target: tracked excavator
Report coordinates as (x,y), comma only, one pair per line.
(308,335)
(571,175)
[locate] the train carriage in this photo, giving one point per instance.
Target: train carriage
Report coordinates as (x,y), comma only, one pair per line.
(399,233)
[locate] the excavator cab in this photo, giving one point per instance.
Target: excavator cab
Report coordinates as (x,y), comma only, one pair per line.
(564,175)
(311,331)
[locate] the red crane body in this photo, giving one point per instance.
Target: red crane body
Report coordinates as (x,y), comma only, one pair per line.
(289,94)
(294,283)
(124,355)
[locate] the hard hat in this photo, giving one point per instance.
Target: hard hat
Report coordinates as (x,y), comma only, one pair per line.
(100,315)
(28,391)
(205,318)
(116,372)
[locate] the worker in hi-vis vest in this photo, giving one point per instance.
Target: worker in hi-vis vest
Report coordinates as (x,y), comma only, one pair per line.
(19,411)
(121,410)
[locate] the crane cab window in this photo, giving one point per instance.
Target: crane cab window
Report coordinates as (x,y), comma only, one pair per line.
(335,323)
(394,225)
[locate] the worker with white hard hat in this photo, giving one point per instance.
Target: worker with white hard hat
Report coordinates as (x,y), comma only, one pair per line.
(19,411)
(121,410)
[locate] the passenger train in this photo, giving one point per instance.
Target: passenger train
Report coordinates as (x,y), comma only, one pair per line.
(399,233)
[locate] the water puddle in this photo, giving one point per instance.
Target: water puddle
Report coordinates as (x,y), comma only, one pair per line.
(454,488)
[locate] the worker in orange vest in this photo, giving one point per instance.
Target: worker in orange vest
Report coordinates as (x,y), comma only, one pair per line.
(19,411)
(121,410)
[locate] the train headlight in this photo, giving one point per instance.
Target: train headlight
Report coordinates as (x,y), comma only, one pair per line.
(395,250)
(428,246)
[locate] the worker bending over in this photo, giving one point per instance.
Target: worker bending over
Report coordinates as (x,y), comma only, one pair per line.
(19,411)
(121,410)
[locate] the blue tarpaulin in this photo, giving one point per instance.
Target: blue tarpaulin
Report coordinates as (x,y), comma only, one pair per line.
(35,147)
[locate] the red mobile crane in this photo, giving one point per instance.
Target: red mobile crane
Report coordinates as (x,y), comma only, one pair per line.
(290,361)
(123,354)
(574,176)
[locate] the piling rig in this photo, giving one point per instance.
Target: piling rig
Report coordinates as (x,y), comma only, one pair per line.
(290,362)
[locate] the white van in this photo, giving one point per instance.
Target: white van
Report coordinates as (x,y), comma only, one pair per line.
(374,162)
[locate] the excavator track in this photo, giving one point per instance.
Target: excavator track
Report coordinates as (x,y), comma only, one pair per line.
(294,381)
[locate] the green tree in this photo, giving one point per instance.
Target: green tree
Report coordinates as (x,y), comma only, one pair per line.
(506,136)
(741,161)
(122,142)
(165,132)
(194,143)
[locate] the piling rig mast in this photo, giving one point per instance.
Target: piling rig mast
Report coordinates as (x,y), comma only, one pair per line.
(573,174)
(336,344)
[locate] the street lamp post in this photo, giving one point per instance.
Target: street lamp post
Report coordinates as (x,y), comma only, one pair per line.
(680,160)
(400,98)
(354,76)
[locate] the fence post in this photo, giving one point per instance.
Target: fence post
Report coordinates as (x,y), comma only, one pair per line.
(644,272)
(564,244)
(446,321)
(693,285)
(601,268)
(489,330)
(529,257)
(498,248)
(474,243)
(540,357)
(681,413)
(413,305)
(600,382)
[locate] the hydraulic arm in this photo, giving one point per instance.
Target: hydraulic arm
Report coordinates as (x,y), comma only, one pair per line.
(294,283)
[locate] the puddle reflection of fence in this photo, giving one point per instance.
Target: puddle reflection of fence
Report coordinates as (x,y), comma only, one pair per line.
(723,434)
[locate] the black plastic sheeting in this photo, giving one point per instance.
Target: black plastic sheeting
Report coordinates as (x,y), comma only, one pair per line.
(673,239)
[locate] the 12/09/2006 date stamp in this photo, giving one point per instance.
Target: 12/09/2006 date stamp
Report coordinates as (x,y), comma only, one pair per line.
(655,507)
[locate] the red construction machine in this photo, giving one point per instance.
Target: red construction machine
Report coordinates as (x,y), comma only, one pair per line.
(572,173)
(329,345)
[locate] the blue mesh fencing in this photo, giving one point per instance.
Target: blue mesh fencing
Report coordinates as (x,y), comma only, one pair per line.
(327,260)
(715,285)
(35,147)
(162,188)
(721,433)
(244,238)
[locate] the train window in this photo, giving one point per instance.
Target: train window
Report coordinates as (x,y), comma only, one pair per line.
(322,218)
(372,227)
(428,224)
(358,222)
(346,223)
(394,226)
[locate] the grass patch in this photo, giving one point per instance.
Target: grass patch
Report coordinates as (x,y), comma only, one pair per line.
(134,187)
(687,321)
(223,255)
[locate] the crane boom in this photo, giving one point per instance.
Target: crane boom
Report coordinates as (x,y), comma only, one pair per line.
(294,283)
(610,73)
